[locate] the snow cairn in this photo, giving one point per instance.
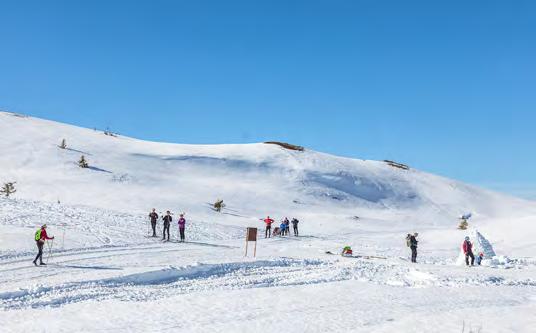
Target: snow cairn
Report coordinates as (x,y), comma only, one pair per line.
(480,245)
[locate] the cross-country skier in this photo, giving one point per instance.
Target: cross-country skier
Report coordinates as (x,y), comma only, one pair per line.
(295,226)
(412,244)
(287,226)
(182,226)
(154,217)
(268,221)
(167,221)
(40,238)
(467,247)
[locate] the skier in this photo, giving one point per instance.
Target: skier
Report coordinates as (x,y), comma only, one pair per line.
(467,247)
(268,230)
(167,221)
(40,238)
(295,226)
(182,225)
(346,251)
(287,226)
(154,217)
(411,241)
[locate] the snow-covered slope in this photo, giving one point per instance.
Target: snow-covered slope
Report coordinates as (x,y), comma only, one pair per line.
(254,180)
(105,273)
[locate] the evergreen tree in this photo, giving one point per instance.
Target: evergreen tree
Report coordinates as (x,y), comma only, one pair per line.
(218,205)
(83,163)
(7,189)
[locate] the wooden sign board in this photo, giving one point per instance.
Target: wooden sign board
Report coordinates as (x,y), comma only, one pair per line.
(251,236)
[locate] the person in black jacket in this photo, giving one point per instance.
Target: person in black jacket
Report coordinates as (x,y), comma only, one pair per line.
(295,226)
(154,217)
(167,222)
(412,243)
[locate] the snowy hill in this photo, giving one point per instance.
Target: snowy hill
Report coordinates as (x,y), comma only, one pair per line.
(254,180)
(103,262)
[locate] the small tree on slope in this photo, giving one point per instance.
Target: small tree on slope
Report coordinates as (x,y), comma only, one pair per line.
(218,205)
(83,163)
(8,189)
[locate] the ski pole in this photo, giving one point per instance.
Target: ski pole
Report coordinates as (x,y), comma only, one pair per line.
(63,238)
(51,244)
(148,228)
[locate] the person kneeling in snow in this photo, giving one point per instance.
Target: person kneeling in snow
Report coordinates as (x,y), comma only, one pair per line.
(479,258)
(282,228)
(468,251)
(346,251)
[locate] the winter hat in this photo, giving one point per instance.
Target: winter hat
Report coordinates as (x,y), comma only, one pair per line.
(43,226)
(466,238)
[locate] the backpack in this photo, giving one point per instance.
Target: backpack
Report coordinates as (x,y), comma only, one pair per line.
(38,235)
(408,241)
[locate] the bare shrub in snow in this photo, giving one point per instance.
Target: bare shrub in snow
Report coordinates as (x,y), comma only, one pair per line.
(82,162)
(8,189)
(219,205)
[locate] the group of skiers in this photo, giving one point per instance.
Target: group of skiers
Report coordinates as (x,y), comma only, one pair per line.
(167,219)
(283,229)
(467,247)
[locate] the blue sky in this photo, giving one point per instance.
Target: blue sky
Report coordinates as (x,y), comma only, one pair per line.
(447,87)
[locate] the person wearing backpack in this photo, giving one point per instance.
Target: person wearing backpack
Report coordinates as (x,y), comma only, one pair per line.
(411,242)
(40,238)
(467,247)
(287,226)
(182,226)
(167,222)
(154,217)
(295,226)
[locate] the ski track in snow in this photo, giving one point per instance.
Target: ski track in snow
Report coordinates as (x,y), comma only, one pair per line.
(283,272)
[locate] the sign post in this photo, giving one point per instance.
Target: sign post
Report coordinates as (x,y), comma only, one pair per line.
(251,236)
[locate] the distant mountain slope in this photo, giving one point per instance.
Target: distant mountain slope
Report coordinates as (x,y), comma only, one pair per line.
(127,174)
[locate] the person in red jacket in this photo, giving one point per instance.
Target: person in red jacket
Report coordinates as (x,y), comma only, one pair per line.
(468,251)
(268,230)
(40,238)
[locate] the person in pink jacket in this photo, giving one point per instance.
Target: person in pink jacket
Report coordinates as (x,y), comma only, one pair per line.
(182,226)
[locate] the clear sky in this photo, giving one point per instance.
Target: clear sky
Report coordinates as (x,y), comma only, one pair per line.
(445,86)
